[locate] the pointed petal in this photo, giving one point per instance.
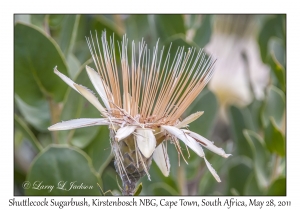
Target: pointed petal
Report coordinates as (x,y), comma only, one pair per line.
(85,92)
(78,123)
(185,138)
(98,84)
(189,119)
(90,97)
(146,141)
(123,132)
(212,170)
(160,156)
(206,143)
(65,79)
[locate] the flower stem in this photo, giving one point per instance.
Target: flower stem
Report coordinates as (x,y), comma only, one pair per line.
(55,115)
(128,187)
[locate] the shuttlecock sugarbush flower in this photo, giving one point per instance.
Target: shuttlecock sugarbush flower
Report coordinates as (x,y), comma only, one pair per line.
(143,100)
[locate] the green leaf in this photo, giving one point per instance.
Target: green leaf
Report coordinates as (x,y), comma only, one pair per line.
(55,20)
(45,138)
(274,27)
(76,106)
(274,138)
(207,102)
(278,71)
(203,33)
(21,125)
(138,189)
(240,119)
(73,66)
(274,106)
(38,116)
(251,186)
(173,43)
(255,110)
(110,180)
(99,149)
(169,25)
(19,179)
(103,22)
(260,158)
(278,187)
(68,33)
(18,137)
(138,27)
(59,166)
(162,189)
(277,49)
(237,176)
(89,25)
(207,183)
(35,56)
(38,20)
(191,21)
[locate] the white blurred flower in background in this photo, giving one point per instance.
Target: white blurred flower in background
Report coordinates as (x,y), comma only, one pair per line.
(239,67)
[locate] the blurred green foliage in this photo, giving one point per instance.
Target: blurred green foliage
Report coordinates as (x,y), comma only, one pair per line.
(256,132)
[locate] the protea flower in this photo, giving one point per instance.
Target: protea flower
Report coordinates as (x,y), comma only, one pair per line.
(143,100)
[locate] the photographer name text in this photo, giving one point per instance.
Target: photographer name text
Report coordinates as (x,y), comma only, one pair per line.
(62,185)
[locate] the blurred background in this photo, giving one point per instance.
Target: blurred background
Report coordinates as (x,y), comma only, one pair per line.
(244,103)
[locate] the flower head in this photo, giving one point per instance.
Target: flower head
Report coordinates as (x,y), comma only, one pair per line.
(142,99)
